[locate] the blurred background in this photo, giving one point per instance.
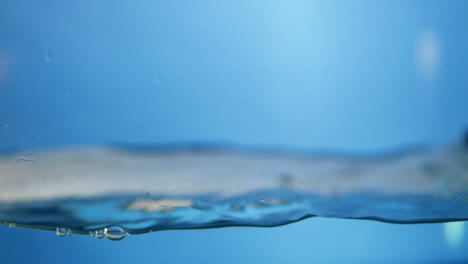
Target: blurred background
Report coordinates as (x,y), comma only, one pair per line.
(359,76)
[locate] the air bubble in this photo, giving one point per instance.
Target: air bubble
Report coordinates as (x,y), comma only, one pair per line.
(114,233)
(99,233)
(63,231)
(11,225)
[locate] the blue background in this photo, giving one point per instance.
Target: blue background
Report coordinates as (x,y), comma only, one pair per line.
(313,75)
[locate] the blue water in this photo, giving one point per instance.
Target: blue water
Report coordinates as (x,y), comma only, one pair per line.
(122,120)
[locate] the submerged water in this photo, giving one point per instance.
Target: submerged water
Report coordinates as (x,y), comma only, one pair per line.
(125,118)
(113,192)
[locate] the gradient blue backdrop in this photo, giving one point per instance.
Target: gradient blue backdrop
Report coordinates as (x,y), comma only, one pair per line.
(313,75)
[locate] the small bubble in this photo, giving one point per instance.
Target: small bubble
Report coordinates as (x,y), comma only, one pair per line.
(63,232)
(11,225)
(99,233)
(114,233)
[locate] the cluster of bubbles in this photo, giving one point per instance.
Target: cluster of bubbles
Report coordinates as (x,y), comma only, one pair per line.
(112,233)
(63,231)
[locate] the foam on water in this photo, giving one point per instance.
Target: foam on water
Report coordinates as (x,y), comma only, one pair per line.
(115,192)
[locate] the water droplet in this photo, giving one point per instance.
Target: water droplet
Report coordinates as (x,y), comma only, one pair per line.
(99,233)
(63,231)
(49,56)
(115,233)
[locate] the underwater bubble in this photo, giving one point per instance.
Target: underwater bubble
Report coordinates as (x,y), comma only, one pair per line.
(99,233)
(63,231)
(114,233)
(11,225)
